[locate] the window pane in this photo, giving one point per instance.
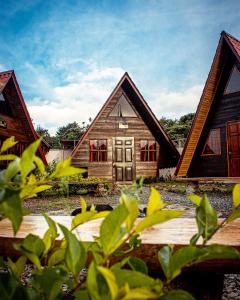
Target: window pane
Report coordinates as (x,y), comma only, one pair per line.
(152,145)
(93,156)
(233,84)
(144,156)
(152,156)
(143,145)
(93,145)
(102,145)
(213,144)
(102,155)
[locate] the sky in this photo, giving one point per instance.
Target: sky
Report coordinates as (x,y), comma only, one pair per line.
(69,55)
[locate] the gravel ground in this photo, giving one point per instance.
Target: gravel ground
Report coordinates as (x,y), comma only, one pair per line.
(221,201)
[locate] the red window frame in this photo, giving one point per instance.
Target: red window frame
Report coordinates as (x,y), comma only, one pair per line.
(213,143)
(98,150)
(148,150)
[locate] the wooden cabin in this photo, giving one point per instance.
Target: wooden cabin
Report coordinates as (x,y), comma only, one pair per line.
(125,140)
(213,145)
(14,117)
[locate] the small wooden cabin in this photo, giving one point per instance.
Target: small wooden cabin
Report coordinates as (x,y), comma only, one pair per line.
(14,117)
(213,145)
(125,140)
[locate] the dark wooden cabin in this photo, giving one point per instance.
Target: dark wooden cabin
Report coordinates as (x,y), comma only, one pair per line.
(213,145)
(125,140)
(14,117)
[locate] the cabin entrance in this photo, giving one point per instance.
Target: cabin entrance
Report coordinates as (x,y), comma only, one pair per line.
(123,162)
(233,133)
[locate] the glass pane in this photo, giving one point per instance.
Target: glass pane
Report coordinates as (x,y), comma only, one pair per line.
(152,155)
(102,155)
(128,154)
(102,144)
(93,156)
(143,145)
(93,145)
(152,145)
(144,156)
(213,144)
(122,109)
(233,84)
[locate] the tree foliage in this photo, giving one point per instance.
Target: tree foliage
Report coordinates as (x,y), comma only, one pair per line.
(178,129)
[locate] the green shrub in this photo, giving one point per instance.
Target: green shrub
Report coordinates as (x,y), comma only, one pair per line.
(57,264)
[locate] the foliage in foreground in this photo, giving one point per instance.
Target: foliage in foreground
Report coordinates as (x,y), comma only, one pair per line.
(59,261)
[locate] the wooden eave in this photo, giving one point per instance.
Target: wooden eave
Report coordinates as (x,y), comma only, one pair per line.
(205,104)
(157,130)
(25,114)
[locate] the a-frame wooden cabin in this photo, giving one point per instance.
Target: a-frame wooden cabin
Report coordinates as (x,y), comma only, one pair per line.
(125,140)
(213,145)
(14,117)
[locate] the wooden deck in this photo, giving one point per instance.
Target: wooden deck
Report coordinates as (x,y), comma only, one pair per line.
(177,231)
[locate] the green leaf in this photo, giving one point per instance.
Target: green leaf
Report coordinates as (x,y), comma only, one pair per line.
(112,231)
(157,218)
(131,204)
(49,282)
(39,164)
(195,199)
(8,157)
(50,235)
(138,265)
(8,143)
(206,217)
(236,195)
(133,278)
(111,281)
(134,241)
(140,293)
(82,218)
(83,204)
(234,215)
(75,255)
(81,295)
(164,256)
(10,207)
(27,159)
(92,282)
(12,169)
(57,257)
(177,295)
(154,203)
(32,247)
(64,168)
(17,268)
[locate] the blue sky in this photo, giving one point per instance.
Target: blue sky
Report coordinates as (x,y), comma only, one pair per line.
(69,55)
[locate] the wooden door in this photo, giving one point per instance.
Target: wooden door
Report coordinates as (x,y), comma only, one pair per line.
(233,132)
(123,162)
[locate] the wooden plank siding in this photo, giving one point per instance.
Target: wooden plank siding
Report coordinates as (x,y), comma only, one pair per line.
(107,127)
(142,126)
(213,111)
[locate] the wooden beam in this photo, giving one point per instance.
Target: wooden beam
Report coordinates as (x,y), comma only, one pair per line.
(177,231)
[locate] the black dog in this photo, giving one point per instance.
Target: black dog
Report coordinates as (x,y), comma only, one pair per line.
(98,207)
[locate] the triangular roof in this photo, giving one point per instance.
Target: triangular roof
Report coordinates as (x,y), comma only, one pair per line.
(144,111)
(206,102)
(4,79)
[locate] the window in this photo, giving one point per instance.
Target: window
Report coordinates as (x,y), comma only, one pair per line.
(98,150)
(233,84)
(213,144)
(122,109)
(148,150)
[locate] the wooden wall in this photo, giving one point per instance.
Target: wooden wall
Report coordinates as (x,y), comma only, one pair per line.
(107,128)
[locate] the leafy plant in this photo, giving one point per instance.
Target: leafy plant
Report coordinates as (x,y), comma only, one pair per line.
(59,262)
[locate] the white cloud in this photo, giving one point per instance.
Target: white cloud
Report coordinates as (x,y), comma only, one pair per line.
(79,99)
(175,104)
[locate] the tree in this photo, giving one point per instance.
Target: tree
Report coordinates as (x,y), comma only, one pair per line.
(178,129)
(71,131)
